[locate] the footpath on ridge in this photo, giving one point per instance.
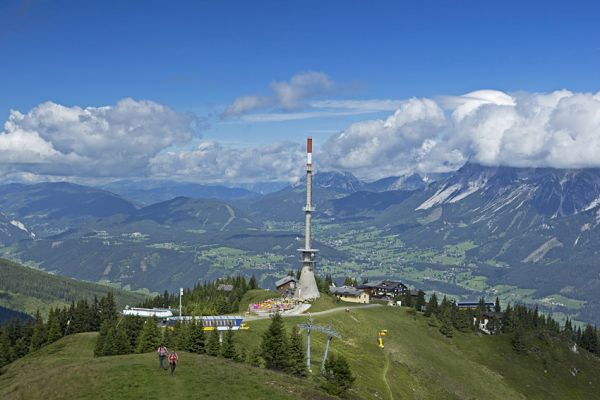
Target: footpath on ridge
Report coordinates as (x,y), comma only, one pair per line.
(305,312)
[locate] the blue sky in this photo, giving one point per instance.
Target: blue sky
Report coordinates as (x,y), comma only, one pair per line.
(198,57)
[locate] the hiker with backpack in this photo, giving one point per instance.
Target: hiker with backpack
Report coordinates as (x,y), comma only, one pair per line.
(162,356)
(173,358)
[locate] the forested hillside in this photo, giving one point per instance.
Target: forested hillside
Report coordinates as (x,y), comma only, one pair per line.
(27,290)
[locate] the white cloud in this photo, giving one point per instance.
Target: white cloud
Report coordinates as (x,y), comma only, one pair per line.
(210,161)
(559,129)
(370,105)
(285,95)
(142,138)
(114,140)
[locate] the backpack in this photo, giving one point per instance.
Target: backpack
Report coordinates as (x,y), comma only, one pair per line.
(173,358)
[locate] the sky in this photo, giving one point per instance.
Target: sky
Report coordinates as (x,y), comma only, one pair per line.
(227,91)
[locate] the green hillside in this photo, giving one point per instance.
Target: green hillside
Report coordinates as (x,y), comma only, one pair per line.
(27,289)
(417,363)
(68,370)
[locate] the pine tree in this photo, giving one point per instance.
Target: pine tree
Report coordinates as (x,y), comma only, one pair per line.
(253,284)
(338,375)
(509,320)
(241,354)
(297,355)
(518,343)
(183,333)
(109,347)
(6,352)
(122,342)
(497,305)
(196,341)
(420,303)
(108,307)
(589,339)
(446,323)
(432,306)
(461,320)
(150,337)
(99,348)
(482,306)
(228,349)
(39,336)
(169,338)
(407,300)
(274,345)
(255,358)
(54,329)
(213,346)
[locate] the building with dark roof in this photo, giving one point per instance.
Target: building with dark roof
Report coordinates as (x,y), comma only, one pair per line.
(384,288)
(349,294)
(286,286)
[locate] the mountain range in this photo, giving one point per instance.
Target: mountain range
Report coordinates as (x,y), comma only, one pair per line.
(524,234)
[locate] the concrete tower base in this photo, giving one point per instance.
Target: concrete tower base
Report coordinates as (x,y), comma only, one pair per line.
(307,287)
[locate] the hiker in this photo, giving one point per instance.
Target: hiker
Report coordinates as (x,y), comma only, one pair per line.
(173,361)
(162,356)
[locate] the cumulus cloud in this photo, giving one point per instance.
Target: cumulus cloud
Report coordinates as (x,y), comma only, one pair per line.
(133,138)
(114,140)
(210,161)
(285,95)
(559,129)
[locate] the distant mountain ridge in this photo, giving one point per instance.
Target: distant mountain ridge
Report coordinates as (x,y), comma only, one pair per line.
(532,228)
(150,192)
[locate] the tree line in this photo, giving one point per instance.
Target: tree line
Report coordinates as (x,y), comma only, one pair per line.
(208,298)
(526,326)
(18,337)
(278,350)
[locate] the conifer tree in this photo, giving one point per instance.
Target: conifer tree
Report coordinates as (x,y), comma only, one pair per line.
(297,355)
(432,306)
(110,342)
(196,341)
(182,335)
(497,305)
(255,359)
(54,329)
(589,339)
(338,375)
(274,345)
(407,300)
(420,303)
(150,337)
(213,346)
(446,323)
(169,338)
(482,306)
(39,336)
(253,284)
(517,342)
(461,320)
(228,349)
(509,321)
(6,352)
(99,348)
(122,342)
(108,307)
(241,354)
